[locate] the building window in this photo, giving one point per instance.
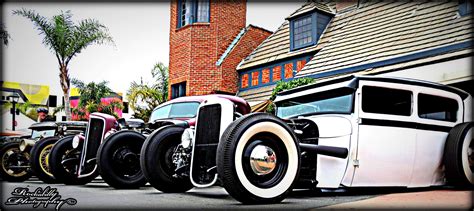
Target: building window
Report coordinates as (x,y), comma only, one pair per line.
(306,30)
(192,11)
(276,73)
(303,33)
(300,65)
(437,108)
(178,90)
(202,11)
(289,70)
(53,101)
(255,76)
(245,81)
(465,7)
(265,76)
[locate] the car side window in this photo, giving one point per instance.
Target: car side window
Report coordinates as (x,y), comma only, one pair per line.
(437,108)
(382,100)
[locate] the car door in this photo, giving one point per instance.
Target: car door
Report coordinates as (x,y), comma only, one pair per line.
(437,111)
(386,134)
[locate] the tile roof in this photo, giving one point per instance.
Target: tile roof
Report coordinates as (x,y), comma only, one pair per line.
(310,6)
(277,45)
(235,41)
(257,94)
(380,31)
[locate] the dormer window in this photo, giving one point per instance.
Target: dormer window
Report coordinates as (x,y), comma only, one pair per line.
(193,11)
(465,7)
(304,33)
(306,30)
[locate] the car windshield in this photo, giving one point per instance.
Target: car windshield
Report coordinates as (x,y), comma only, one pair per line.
(175,110)
(332,101)
(42,133)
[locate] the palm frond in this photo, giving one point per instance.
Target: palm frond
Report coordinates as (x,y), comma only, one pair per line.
(88,32)
(43,26)
(4,34)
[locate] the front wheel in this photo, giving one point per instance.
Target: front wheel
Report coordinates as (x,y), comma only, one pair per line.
(64,163)
(156,160)
(15,164)
(119,160)
(40,159)
(258,159)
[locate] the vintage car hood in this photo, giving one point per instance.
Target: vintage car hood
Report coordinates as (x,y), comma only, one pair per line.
(163,122)
(332,125)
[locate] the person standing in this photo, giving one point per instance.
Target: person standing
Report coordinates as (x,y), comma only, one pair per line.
(43,115)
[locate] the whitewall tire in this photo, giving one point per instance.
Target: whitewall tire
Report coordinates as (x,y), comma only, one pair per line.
(258,159)
(458,155)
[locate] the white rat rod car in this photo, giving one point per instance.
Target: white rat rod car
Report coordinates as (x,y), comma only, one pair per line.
(348,132)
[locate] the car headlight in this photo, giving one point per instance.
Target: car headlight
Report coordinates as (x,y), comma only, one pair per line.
(23,145)
(76,141)
(187,137)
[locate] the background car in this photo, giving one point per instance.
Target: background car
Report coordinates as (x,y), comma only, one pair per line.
(72,159)
(18,156)
(119,155)
(40,150)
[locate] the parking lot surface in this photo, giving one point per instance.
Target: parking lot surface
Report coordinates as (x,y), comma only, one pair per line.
(98,195)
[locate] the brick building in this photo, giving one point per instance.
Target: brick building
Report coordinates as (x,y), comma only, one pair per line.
(208,39)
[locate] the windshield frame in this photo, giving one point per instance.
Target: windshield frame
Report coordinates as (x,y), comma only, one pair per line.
(318,96)
(40,133)
(171,104)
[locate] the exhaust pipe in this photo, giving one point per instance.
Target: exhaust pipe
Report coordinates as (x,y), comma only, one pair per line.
(338,152)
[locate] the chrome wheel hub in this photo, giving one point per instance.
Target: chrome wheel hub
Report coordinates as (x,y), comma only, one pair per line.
(263,160)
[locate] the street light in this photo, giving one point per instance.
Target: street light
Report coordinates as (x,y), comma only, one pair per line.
(14,100)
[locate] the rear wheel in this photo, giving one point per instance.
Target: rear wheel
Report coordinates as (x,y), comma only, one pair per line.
(64,163)
(459,156)
(15,164)
(156,160)
(119,160)
(40,159)
(258,159)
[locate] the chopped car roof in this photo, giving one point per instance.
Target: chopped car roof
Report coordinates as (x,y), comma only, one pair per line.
(355,80)
(43,125)
(52,125)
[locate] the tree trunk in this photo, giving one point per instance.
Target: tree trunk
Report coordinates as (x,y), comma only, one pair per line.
(65,84)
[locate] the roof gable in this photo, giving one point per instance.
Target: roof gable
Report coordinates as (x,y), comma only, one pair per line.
(277,46)
(384,31)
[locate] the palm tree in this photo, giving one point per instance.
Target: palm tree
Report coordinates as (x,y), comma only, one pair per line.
(91,92)
(161,75)
(4,34)
(90,99)
(143,98)
(66,39)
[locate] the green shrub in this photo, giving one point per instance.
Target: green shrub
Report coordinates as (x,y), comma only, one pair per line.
(282,85)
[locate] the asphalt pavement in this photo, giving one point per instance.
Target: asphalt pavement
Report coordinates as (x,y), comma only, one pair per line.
(98,195)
